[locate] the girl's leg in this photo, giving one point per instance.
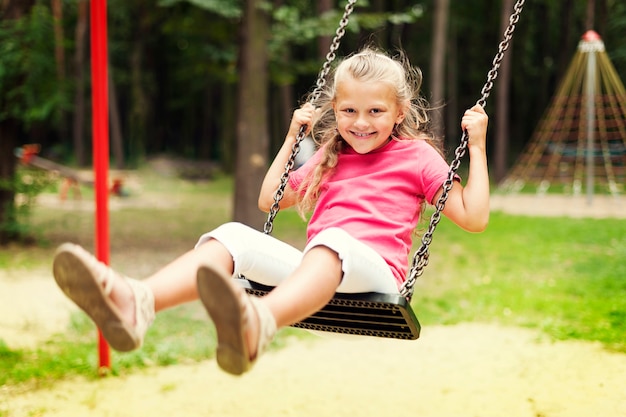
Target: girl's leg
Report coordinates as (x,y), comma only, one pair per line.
(333,261)
(245,325)
(311,286)
(176,283)
(123,308)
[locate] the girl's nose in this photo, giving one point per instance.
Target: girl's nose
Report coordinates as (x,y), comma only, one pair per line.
(361,121)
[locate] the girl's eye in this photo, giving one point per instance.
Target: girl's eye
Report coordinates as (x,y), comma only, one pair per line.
(375,111)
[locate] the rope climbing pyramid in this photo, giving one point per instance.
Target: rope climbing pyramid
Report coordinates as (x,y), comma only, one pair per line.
(580,143)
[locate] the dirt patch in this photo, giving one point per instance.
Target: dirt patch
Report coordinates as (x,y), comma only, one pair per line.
(32,308)
(467,370)
(552,205)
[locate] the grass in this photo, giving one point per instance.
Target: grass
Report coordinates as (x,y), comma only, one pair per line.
(565,277)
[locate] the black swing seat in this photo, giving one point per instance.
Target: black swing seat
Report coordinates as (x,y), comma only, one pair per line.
(363,314)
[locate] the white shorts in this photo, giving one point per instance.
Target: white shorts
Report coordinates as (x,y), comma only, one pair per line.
(264,259)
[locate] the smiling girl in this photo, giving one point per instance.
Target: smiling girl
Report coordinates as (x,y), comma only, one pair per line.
(364,188)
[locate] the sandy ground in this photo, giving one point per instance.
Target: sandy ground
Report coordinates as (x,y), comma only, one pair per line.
(467,370)
(599,206)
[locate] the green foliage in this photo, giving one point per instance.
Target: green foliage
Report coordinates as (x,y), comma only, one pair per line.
(374,21)
(27,185)
(28,80)
(177,61)
(617,25)
(297,24)
(225,8)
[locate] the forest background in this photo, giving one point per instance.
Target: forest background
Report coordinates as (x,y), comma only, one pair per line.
(218,80)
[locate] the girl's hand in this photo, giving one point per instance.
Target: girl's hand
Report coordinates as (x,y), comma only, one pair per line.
(475,122)
(302,116)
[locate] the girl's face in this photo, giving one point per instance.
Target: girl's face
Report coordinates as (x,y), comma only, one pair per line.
(366,113)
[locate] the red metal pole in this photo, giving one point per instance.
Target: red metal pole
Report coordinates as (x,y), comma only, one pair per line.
(100,128)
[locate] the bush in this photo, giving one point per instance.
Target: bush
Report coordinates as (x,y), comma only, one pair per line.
(27,185)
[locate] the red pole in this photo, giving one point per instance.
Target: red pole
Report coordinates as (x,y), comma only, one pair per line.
(100,127)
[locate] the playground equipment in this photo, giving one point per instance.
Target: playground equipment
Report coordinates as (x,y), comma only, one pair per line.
(582,136)
(70,178)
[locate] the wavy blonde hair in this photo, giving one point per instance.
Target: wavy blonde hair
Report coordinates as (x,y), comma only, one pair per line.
(373,66)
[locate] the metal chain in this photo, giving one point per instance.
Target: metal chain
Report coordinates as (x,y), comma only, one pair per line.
(295,149)
(421,256)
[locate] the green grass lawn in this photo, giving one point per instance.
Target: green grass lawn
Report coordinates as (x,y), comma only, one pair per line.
(566,277)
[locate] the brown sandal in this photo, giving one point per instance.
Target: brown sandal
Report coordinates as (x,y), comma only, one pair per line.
(231,310)
(88,283)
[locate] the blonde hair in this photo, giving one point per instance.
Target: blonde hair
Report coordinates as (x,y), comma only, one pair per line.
(373,66)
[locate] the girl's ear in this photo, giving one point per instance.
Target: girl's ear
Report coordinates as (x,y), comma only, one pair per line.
(402,113)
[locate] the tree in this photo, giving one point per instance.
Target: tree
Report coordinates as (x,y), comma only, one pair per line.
(437,64)
(502,102)
(252,115)
(59,57)
(79,90)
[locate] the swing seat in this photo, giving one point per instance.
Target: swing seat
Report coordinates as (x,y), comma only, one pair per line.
(360,314)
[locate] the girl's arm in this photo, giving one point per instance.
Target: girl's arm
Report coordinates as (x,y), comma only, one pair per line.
(468,206)
(302,116)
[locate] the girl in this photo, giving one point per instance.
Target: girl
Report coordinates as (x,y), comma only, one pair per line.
(366,185)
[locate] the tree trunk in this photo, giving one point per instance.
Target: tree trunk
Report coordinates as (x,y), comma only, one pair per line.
(116,126)
(8,141)
(59,57)
(452,112)
(252,120)
(141,107)
(208,137)
(502,101)
(601,17)
(565,35)
(437,64)
(590,17)
(228,145)
(79,70)
(285,97)
(323,42)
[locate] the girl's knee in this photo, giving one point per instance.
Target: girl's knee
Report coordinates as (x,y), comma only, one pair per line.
(323,257)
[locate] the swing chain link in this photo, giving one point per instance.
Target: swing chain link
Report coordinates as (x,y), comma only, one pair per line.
(332,53)
(295,149)
(504,45)
(421,256)
(284,179)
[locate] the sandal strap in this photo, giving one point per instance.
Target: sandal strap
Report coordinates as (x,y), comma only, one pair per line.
(107,279)
(103,273)
(267,325)
(144,298)
(89,283)
(144,306)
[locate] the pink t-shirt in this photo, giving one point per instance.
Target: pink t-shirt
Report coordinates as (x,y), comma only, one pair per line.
(375,197)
